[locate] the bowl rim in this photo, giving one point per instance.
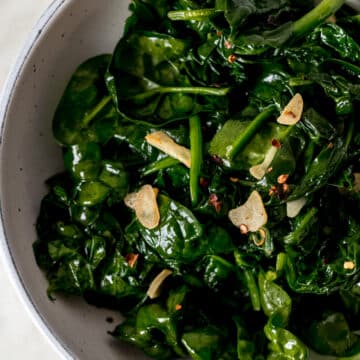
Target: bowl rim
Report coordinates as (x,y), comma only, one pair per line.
(7,258)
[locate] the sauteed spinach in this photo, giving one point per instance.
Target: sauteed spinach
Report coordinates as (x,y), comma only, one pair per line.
(194,201)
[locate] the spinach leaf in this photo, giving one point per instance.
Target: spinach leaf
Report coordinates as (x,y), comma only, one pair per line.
(339,41)
(202,344)
(276,304)
(331,335)
(151,65)
(85,111)
(180,237)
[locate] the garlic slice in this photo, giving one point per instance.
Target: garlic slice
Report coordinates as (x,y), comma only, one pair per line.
(292,112)
(349,265)
(252,213)
(155,286)
(356,186)
(294,207)
(165,143)
(259,171)
(146,207)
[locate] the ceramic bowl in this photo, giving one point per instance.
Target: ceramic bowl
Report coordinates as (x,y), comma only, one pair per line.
(70,32)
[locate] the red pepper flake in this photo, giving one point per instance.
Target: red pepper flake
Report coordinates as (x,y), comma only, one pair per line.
(218,33)
(282,179)
(217,159)
(290,113)
(276,143)
(273,190)
(178,307)
(131,259)
(234,179)
(232,58)
(244,229)
(228,44)
(269,170)
(215,202)
(204,183)
(285,188)
(330,146)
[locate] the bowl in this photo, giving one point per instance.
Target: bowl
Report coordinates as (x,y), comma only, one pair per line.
(68,33)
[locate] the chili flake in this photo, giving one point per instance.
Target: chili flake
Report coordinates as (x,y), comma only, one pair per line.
(243,229)
(282,178)
(232,58)
(215,202)
(131,259)
(276,143)
(228,44)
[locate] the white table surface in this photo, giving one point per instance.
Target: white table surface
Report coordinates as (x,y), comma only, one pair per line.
(19,337)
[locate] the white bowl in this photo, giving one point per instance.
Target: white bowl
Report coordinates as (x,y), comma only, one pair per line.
(69,32)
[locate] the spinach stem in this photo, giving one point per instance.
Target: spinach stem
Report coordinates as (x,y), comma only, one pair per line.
(298,81)
(315,17)
(349,134)
(159,165)
(185,90)
(253,290)
(198,14)
(243,138)
(353,69)
(196,158)
(309,155)
(280,263)
(91,115)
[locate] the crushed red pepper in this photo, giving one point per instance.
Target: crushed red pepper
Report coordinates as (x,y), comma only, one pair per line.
(131,259)
(228,44)
(232,58)
(215,202)
(204,183)
(276,143)
(244,229)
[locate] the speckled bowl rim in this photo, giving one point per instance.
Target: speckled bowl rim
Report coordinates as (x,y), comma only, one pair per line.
(8,260)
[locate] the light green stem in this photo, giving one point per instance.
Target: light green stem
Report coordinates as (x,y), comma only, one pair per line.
(185,90)
(87,119)
(253,290)
(243,138)
(196,158)
(315,17)
(159,165)
(185,15)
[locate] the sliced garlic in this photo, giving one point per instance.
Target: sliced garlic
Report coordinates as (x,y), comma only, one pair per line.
(155,286)
(146,207)
(294,207)
(165,143)
(259,171)
(252,213)
(349,265)
(356,187)
(292,112)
